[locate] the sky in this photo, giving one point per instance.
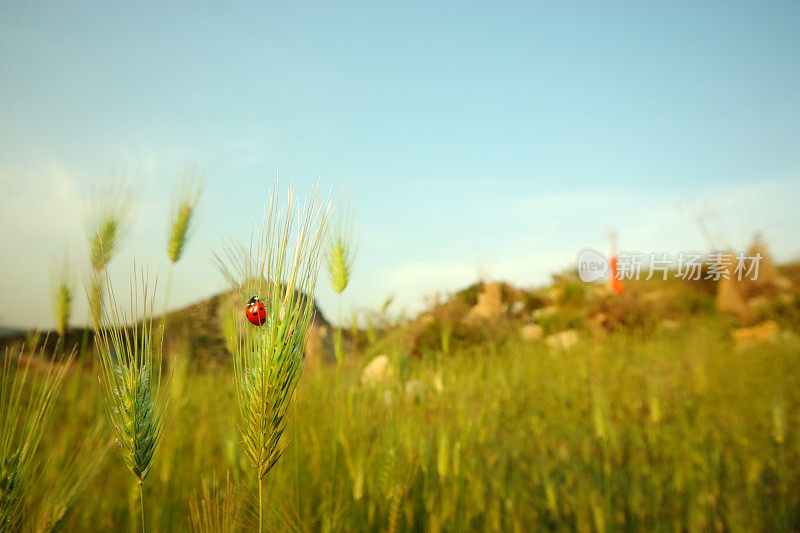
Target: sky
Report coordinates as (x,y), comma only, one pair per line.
(486,140)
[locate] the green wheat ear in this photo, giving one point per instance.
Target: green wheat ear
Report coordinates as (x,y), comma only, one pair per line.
(281,266)
(109,221)
(342,249)
(62,287)
(130,375)
(24,410)
(184,205)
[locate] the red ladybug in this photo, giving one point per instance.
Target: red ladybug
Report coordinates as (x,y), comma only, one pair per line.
(256,312)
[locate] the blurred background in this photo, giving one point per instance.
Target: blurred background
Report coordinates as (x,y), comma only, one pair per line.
(477,141)
(459,375)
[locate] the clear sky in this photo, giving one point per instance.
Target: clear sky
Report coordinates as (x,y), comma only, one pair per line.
(493,139)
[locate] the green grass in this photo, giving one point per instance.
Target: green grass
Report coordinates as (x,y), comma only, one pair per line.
(674,431)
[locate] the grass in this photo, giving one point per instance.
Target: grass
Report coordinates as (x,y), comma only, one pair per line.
(639,428)
(26,402)
(664,432)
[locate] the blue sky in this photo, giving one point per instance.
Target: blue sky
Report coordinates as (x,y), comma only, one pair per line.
(492,139)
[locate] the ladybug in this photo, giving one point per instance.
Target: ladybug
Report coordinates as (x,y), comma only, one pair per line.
(255,311)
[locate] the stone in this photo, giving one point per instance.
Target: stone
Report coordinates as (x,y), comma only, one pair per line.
(438,385)
(378,372)
(414,390)
(532,332)
(562,341)
(729,299)
(490,304)
(669,324)
(767,271)
(763,332)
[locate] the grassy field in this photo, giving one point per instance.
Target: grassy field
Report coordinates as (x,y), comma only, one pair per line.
(655,419)
(666,431)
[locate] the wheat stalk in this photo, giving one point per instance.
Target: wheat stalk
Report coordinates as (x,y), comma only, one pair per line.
(130,376)
(25,406)
(184,205)
(214,510)
(58,500)
(280,266)
(339,262)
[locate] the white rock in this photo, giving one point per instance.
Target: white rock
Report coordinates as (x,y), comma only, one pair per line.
(532,332)
(387,398)
(414,390)
(564,340)
(378,372)
(437,383)
(670,324)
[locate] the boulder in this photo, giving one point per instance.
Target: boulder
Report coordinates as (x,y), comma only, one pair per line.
(532,332)
(438,385)
(414,390)
(490,304)
(562,341)
(378,372)
(767,271)
(763,332)
(730,299)
(669,324)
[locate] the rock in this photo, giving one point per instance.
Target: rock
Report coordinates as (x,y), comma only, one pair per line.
(597,325)
(532,332)
(768,276)
(767,331)
(729,298)
(490,304)
(669,324)
(517,307)
(387,398)
(414,390)
(562,341)
(437,383)
(426,319)
(378,372)
(767,271)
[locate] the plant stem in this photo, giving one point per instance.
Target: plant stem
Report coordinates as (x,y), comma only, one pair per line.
(141,500)
(339,349)
(166,307)
(260,505)
(297,464)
